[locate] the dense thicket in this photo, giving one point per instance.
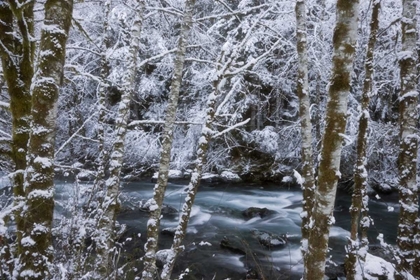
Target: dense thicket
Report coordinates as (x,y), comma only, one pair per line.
(269,144)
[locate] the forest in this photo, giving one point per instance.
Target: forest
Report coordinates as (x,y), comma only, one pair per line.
(315,98)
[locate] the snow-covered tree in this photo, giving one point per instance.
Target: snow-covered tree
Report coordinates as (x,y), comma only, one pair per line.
(344,42)
(110,203)
(165,156)
(36,257)
(360,220)
(17,58)
(407,160)
(302,89)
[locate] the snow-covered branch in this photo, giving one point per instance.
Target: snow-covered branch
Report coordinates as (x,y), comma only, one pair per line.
(146,122)
(231,128)
(4,105)
(75,68)
(74,134)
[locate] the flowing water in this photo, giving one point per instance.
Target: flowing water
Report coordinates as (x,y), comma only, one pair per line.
(217,213)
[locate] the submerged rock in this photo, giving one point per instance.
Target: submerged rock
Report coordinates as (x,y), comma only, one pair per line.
(334,271)
(252,212)
(210,178)
(269,240)
(144,206)
(169,231)
(232,246)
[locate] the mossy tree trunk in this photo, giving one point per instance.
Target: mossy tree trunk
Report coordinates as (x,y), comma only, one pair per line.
(308,185)
(407,160)
(153,223)
(344,43)
(17,55)
(36,242)
(357,250)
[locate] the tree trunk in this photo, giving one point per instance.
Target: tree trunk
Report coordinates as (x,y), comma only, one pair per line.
(99,192)
(308,185)
(159,191)
(356,251)
(416,265)
(110,204)
(407,160)
(344,43)
(18,74)
(36,242)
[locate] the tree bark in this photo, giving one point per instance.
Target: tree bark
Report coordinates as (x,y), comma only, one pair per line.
(18,74)
(99,192)
(110,204)
(153,223)
(407,160)
(357,250)
(344,42)
(302,89)
(36,242)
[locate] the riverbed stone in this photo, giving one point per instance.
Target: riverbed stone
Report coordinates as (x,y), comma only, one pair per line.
(230,177)
(252,212)
(269,240)
(144,206)
(334,271)
(232,245)
(169,231)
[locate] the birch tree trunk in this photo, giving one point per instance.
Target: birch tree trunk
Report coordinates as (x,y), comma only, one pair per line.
(17,42)
(99,191)
(203,144)
(110,205)
(407,160)
(416,265)
(357,250)
(344,43)
(153,223)
(302,89)
(35,260)
(223,67)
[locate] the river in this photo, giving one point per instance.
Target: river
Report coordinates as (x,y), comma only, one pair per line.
(217,214)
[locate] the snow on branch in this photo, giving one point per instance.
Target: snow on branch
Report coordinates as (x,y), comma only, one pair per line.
(87,138)
(74,134)
(145,122)
(4,105)
(82,49)
(232,13)
(5,133)
(158,56)
(144,62)
(171,11)
(9,53)
(84,32)
(253,61)
(76,69)
(231,128)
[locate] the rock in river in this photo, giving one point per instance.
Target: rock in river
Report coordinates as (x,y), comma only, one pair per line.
(269,240)
(252,212)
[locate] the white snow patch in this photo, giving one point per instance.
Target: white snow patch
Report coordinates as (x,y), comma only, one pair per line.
(204,243)
(27,241)
(376,267)
(299,179)
(287,179)
(230,176)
